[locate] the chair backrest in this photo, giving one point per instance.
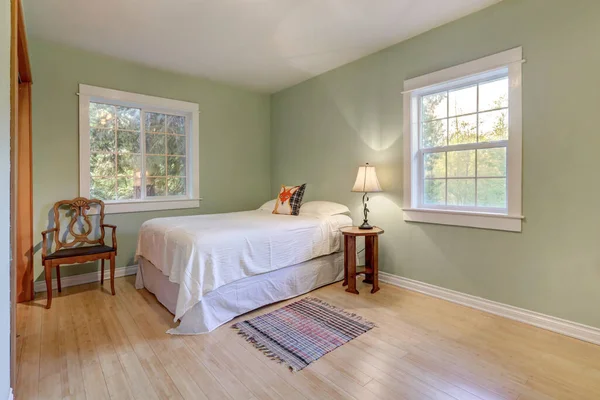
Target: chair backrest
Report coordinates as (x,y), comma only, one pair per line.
(80,207)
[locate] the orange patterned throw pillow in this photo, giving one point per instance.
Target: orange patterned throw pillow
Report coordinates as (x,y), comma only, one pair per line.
(289,200)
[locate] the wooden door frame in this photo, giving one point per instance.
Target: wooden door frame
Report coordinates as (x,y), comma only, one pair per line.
(21,191)
(22,194)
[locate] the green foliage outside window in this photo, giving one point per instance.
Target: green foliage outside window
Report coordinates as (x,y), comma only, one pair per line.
(475,177)
(116,153)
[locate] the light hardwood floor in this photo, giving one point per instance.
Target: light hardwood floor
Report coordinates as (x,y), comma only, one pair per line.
(96,346)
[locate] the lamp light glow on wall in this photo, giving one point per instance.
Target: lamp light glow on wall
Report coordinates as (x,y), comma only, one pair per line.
(366,182)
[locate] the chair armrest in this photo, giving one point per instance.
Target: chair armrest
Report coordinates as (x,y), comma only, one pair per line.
(114,235)
(44,241)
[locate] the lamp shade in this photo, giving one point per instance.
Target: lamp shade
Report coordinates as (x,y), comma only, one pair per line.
(366,180)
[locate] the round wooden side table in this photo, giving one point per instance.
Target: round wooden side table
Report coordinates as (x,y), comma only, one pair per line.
(371,271)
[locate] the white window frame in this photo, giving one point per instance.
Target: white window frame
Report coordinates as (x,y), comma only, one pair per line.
(192,198)
(505,63)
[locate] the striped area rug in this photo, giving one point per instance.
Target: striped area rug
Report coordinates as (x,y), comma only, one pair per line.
(302,332)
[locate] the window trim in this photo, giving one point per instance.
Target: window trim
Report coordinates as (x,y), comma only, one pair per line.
(472,71)
(89,93)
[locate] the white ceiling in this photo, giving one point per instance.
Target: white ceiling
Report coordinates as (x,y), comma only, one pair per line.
(265,45)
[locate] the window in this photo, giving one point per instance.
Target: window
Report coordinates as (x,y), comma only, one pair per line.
(463,147)
(137,152)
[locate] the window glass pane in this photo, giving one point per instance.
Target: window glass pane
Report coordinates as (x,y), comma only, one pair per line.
(434,106)
(176,124)
(461,163)
(176,144)
(176,186)
(102,164)
(491,192)
(128,118)
(155,122)
(156,186)
(435,133)
(491,162)
(462,101)
(155,144)
(119,151)
(493,126)
(461,118)
(156,165)
(103,188)
(434,165)
(128,142)
(128,164)
(176,166)
(102,115)
(493,95)
(126,188)
(461,192)
(434,192)
(462,130)
(102,140)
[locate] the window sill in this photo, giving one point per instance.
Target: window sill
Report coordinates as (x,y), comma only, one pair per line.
(141,206)
(499,222)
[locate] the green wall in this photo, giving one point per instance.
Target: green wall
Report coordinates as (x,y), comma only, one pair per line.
(322,129)
(234,138)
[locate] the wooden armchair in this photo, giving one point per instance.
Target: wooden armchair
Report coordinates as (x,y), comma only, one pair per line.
(81,249)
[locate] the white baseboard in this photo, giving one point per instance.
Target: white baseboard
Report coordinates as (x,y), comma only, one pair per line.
(10,394)
(558,325)
(73,280)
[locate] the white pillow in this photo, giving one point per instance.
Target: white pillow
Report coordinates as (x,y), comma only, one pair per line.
(269,205)
(323,208)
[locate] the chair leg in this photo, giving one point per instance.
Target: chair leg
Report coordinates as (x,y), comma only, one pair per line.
(48,270)
(58,278)
(102,272)
(112,273)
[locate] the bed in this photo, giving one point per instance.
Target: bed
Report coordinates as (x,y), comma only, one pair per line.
(208,269)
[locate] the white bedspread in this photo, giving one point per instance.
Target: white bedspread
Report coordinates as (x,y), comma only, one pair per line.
(204,252)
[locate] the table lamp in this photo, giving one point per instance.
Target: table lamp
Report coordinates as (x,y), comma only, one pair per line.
(366,181)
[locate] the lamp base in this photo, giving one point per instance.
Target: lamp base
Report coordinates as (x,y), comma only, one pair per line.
(365,225)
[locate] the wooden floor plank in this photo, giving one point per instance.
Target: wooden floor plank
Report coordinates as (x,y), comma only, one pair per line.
(127,337)
(29,367)
(91,369)
(51,364)
(179,383)
(73,386)
(94,345)
(23,311)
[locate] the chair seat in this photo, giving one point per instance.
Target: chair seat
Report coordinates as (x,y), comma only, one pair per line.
(80,251)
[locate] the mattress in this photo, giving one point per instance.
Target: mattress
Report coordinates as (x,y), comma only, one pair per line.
(205,252)
(231,300)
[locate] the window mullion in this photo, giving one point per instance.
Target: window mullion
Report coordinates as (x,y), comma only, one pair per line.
(421,187)
(446,180)
(143,151)
(477,137)
(421,160)
(116,153)
(166,138)
(447,144)
(467,146)
(188,163)
(447,117)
